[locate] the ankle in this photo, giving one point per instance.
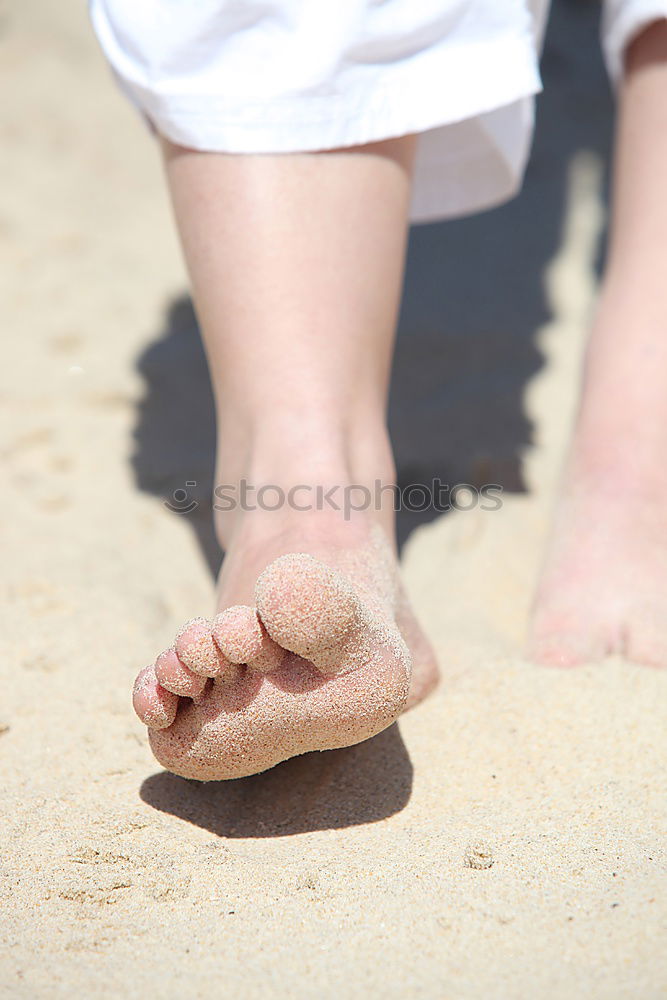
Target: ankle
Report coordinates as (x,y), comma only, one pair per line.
(302,476)
(616,455)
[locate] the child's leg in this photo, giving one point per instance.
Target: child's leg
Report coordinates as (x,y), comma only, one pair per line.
(603,586)
(296,264)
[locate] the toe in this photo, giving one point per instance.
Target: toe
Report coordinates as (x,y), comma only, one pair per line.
(644,637)
(242,638)
(556,651)
(174,676)
(308,608)
(155,706)
(565,638)
(196,649)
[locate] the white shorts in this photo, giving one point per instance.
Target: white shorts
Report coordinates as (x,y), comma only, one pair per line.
(277,76)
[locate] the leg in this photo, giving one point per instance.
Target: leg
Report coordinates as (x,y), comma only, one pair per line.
(296,265)
(602,588)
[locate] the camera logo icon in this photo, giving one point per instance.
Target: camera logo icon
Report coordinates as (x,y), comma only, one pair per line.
(181,502)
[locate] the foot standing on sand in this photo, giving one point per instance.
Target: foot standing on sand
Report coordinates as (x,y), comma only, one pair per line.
(602,586)
(299,143)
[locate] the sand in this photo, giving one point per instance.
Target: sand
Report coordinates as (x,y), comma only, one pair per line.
(507,838)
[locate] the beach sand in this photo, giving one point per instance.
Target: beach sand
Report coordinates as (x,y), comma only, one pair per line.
(507,839)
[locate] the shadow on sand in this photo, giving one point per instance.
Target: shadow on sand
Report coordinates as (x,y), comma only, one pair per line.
(472,303)
(318,791)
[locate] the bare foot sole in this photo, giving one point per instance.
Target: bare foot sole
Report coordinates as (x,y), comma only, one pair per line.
(329,655)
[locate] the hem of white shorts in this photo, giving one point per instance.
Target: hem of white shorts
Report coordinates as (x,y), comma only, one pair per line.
(621,28)
(446,190)
(408,100)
